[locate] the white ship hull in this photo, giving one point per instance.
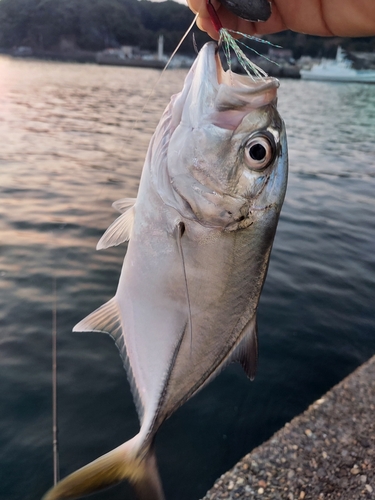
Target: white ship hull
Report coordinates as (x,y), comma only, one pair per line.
(338,70)
(330,76)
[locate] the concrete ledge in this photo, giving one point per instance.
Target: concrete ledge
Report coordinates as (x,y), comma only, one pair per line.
(327,452)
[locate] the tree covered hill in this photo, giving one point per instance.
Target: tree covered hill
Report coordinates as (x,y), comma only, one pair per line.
(91,24)
(98,24)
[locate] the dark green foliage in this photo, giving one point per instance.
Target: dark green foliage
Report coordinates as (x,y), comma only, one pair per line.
(91,24)
(98,24)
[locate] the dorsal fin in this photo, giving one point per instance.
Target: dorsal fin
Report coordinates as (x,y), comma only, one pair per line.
(119,231)
(107,319)
(246,353)
(123,204)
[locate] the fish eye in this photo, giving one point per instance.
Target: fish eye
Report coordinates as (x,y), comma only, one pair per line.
(260,151)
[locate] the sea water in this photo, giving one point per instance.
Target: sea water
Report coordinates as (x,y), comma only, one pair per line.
(73,140)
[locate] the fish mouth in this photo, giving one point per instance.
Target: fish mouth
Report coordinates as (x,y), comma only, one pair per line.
(224,97)
(240,223)
(232,79)
(212,104)
(212,70)
(210,59)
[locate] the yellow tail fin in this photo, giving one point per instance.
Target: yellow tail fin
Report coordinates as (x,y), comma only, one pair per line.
(117,465)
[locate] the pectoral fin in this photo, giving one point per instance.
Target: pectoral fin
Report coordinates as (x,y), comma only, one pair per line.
(119,231)
(124,204)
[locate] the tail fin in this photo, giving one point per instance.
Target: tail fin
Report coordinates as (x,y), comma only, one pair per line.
(117,465)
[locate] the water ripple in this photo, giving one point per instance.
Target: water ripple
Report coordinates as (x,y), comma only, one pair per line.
(73,141)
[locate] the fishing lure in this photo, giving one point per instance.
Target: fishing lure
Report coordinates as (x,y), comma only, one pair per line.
(228,42)
(253,10)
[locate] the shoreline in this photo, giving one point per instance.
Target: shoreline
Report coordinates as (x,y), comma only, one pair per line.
(327,452)
(82,57)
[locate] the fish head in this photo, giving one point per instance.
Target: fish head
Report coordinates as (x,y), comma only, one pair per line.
(227,157)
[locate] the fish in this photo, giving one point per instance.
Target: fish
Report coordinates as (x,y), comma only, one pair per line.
(199,234)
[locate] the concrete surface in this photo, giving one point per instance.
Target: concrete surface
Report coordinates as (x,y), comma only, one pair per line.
(327,452)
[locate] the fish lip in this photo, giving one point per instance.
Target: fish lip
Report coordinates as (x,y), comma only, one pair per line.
(212,64)
(241,223)
(222,97)
(246,221)
(219,67)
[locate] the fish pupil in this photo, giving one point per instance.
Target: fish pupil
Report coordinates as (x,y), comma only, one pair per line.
(258,152)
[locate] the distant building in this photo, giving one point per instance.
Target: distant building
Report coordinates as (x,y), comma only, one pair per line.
(130,51)
(280,55)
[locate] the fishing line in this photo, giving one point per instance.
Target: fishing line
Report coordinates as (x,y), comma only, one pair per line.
(55,443)
(152,91)
(179,44)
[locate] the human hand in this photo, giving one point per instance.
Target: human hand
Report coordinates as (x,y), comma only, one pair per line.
(347,18)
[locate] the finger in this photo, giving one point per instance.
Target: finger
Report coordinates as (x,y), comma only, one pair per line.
(199,7)
(274,24)
(233,22)
(227,19)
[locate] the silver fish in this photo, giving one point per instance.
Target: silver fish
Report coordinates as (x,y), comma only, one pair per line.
(200,235)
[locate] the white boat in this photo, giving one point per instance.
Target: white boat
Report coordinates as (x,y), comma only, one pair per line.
(338,70)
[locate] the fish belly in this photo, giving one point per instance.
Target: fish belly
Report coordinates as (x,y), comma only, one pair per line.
(186,303)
